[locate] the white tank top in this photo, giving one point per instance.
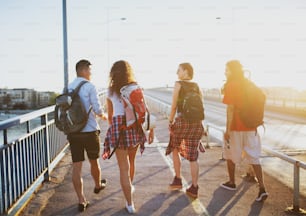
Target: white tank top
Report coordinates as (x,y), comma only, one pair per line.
(117,104)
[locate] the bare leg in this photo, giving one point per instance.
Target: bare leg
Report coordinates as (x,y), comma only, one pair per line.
(231,171)
(96,172)
(78,181)
(125,180)
(194,168)
(258,172)
(250,170)
(132,154)
(176,163)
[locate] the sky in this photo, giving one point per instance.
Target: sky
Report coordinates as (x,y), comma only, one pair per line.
(266,36)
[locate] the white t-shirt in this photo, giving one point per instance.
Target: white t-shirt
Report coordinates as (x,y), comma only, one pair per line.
(117,104)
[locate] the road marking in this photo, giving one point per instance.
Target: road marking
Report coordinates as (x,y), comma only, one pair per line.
(198,207)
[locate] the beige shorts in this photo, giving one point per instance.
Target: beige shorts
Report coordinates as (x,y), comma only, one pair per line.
(243,145)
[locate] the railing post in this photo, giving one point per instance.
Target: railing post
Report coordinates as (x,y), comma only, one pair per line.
(44,121)
(28,126)
(5,136)
(296,187)
(296,191)
(207,137)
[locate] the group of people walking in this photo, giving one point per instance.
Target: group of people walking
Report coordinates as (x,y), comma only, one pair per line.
(184,135)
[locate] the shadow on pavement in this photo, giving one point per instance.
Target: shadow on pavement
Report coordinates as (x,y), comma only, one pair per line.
(222,197)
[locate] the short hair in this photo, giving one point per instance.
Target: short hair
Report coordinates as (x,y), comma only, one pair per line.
(187,66)
(81,65)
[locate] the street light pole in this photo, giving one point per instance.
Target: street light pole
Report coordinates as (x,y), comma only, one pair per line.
(107,37)
(108,21)
(65,46)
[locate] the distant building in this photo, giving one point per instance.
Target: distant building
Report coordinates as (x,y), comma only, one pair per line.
(43,98)
(23,98)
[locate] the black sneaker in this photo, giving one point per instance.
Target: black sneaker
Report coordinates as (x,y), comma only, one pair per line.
(262,195)
(103,185)
(83,206)
(229,186)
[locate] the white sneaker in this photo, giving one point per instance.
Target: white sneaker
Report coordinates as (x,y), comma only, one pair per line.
(130,208)
(132,189)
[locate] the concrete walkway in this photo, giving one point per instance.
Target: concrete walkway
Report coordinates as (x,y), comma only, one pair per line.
(153,174)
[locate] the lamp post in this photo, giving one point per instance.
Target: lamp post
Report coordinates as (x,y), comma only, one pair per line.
(107,35)
(65,46)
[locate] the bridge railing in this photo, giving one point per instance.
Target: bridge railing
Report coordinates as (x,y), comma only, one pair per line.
(26,161)
(294,104)
(30,147)
(164,109)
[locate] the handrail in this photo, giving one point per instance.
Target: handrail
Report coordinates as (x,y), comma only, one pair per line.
(26,161)
(5,124)
(164,108)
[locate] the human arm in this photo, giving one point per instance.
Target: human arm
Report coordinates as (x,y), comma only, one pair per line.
(151,136)
(110,110)
(95,103)
(229,120)
(229,99)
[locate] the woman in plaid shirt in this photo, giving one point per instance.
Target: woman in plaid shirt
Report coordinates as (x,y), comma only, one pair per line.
(185,135)
(121,74)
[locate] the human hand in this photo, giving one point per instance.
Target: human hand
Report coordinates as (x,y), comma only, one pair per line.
(170,127)
(151,136)
(106,153)
(104,116)
(226,136)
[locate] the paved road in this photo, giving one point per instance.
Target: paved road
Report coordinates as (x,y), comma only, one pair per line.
(283,132)
(152,197)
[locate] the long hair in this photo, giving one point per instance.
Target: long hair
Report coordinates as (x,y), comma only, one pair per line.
(120,75)
(236,69)
(237,73)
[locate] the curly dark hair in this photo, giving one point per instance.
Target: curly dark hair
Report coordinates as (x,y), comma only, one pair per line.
(120,75)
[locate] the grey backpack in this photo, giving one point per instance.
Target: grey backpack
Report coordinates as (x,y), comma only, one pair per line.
(70,113)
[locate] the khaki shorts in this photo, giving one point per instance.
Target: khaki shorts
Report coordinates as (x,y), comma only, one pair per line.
(243,145)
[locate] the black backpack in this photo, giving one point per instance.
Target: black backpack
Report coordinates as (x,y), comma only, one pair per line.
(70,113)
(251,112)
(192,102)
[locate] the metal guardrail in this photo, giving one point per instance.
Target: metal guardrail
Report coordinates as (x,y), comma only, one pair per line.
(164,109)
(276,102)
(27,161)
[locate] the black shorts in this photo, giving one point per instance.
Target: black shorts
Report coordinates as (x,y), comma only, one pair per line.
(79,142)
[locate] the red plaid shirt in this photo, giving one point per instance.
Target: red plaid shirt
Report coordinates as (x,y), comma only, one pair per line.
(186,136)
(130,137)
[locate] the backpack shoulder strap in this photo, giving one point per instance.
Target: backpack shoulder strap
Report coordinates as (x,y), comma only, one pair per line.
(77,89)
(183,87)
(196,87)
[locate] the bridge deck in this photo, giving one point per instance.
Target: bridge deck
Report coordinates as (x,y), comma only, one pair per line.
(152,197)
